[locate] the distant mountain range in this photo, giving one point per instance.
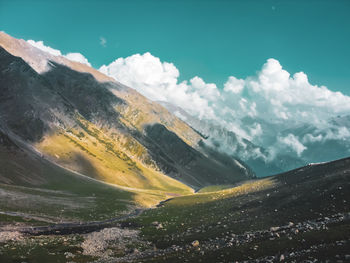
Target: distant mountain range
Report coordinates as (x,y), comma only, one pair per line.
(268,156)
(221,139)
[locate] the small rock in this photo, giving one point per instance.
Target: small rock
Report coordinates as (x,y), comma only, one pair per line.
(195,243)
(274,228)
(69,255)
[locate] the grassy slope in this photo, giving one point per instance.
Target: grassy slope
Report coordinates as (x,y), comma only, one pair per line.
(215,188)
(200,210)
(144,112)
(300,195)
(35,186)
(58,194)
(92,152)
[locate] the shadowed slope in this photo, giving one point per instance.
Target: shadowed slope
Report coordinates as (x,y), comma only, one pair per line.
(189,161)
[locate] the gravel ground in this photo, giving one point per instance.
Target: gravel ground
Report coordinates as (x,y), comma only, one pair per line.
(6,236)
(96,243)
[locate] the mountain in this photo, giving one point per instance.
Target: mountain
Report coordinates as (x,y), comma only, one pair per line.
(217,137)
(80,119)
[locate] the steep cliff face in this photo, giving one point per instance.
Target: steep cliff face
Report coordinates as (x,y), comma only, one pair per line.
(84,121)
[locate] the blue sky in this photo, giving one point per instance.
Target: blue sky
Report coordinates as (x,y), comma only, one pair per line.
(210,39)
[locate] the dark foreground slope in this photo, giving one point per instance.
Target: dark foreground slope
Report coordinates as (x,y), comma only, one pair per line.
(299,216)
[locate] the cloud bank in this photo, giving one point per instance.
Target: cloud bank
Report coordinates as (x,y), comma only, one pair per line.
(77,57)
(256,108)
(159,82)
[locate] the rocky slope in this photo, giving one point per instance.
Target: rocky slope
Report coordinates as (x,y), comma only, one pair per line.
(299,216)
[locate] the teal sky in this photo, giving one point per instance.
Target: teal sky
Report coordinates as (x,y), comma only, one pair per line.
(210,39)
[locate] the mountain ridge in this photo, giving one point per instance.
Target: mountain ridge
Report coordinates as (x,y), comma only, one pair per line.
(67,113)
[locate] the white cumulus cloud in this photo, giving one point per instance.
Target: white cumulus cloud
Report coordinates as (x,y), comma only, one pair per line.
(158,81)
(257,108)
(276,95)
(293,143)
(40,45)
(234,85)
(77,57)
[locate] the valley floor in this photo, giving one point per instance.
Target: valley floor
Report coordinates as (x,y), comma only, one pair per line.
(299,216)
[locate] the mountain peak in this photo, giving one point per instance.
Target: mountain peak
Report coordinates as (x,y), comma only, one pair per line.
(39,59)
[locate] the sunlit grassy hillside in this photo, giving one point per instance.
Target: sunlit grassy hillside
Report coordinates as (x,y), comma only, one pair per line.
(37,190)
(90,151)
